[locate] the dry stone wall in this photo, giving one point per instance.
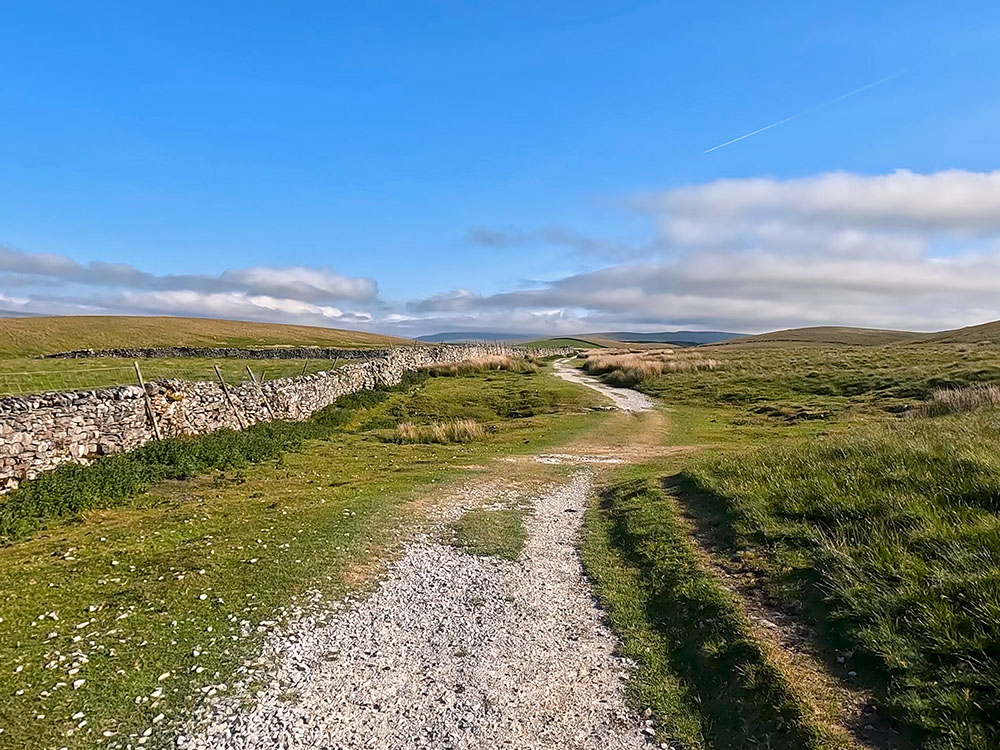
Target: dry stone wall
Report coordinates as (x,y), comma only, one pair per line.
(38,433)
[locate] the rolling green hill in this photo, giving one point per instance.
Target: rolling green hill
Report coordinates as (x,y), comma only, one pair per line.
(833,335)
(984,333)
(29,337)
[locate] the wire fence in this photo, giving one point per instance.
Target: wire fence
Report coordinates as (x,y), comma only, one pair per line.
(26,377)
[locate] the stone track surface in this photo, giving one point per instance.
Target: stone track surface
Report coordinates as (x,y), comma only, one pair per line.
(450,651)
(624,398)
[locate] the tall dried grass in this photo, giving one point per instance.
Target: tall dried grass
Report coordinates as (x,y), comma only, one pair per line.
(522,365)
(632,368)
(455,431)
(955,400)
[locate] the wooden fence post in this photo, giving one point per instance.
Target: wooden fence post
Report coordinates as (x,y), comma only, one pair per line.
(260,390)
(149,403)
(232,405)
(305,366)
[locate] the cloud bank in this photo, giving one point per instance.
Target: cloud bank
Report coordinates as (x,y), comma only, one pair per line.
(292,294)
(907,250)
(903,250)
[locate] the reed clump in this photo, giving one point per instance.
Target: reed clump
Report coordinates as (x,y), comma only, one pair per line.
(631,368)
(453,431)
(520,365)
(957,400)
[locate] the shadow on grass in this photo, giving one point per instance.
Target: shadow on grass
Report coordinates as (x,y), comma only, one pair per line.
(716,531)
(743,701)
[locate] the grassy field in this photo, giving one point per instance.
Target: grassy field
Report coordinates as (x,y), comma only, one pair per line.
(875,527)
(151,598)
(32,337)
(22,375)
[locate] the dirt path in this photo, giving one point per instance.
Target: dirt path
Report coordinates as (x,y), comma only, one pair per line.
(624,398)
(452,650)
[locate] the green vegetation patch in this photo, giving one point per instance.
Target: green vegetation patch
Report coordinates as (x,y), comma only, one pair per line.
(700,670)
(794,383)
(496,532)
(887,537)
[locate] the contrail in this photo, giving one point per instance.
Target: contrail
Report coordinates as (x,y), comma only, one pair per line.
(827,103)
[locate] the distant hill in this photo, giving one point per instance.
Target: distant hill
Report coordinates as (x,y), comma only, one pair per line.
(464,337)
(680,338)
(573,341)
(29,337)
(834,335)
(984,333)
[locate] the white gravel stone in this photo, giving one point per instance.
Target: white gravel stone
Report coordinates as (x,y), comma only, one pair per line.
(625,399)
(451,650)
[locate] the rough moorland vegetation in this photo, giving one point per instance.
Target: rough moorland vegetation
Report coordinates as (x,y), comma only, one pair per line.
(859,487)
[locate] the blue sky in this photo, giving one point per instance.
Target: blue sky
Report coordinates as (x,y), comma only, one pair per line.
(384,141)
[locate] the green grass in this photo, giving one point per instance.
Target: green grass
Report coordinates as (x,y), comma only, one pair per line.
(495,532)
(22,375)
(789,384)
(253,540)
(31,337)
(888,537)
(710,684)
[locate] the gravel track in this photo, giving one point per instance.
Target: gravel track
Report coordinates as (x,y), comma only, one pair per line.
(451,650)
(624,398)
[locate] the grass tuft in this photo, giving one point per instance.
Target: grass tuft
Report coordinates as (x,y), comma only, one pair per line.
(495,532)
(954,400)
(455,431)
(474,366)
(630,369)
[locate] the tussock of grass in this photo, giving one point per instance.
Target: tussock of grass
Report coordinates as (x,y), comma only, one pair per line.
(521,365)
(888,538)
(630,369)
(699,666)
(953,400)
(497,532)
(455,431)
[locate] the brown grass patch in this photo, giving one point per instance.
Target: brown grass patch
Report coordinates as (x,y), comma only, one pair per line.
(455,431)
(954,400)
(630,368)
(486,363)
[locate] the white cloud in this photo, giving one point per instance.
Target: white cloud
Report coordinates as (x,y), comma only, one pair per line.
(903,250)
(295,282)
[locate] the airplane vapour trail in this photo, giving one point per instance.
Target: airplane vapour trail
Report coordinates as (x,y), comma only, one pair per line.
(827,103)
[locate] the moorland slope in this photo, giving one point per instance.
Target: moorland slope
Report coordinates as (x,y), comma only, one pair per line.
(30,337)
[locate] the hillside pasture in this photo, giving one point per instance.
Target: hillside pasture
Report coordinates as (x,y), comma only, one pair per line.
(33,337)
